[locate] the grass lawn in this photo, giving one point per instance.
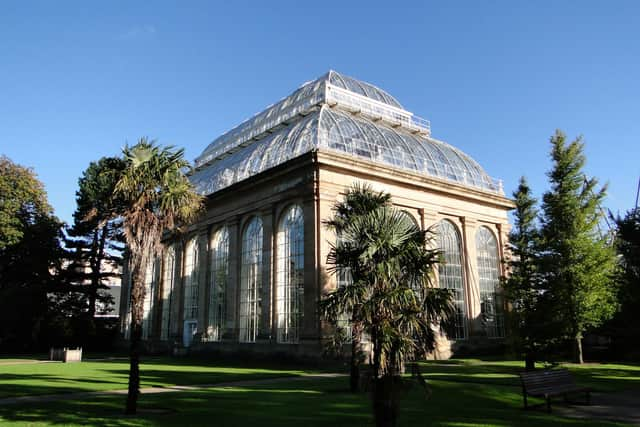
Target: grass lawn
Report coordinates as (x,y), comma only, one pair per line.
(465,393)
(50,378)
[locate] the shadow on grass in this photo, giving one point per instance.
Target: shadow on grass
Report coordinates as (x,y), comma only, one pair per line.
(57,378)
(605,377)
(308,403)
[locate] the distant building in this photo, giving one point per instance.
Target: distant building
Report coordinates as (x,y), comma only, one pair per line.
(113,284)
(248,276)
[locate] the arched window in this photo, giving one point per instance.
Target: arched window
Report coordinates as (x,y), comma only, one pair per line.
(451,273)
(191,281)
(490,298)
(251,281)
(168,274)
(290,275)
(219,265)
(343,278)
(410,217)
(147,303)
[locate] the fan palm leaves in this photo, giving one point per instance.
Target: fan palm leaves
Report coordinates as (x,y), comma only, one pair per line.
(391,294)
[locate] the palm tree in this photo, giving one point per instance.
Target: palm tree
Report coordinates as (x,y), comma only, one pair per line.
(157,196)
(359,200)
(391,295)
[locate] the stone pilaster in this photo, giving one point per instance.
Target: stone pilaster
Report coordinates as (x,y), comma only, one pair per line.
(232,293)
(203,278)
(268,245)
(472,280)
(310,323)
(177,296)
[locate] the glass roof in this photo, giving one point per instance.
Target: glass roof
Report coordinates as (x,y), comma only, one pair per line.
(300,102)
(331,129)
(341,114)
(361,88)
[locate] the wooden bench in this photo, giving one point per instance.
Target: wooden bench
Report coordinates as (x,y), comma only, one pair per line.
(550,383)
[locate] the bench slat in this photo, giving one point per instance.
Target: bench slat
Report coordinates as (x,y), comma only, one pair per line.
(549,383)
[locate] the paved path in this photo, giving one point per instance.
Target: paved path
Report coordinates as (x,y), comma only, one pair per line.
(156,390)
(619,406)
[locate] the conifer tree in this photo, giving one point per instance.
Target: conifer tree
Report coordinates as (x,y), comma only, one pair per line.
(577,261)
(523,286)
(96,237)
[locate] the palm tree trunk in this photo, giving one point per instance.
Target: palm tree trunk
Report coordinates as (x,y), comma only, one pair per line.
(354,372)
(383,388)
(529,361)
(134,371)
(137,299)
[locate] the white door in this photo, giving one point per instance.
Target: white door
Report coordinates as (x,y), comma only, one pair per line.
(190,329)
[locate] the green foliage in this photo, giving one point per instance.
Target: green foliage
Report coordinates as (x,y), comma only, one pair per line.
(23,201)
(390,294)
(29,255)
(628,246)
(624,328)
(96,202)
(359,200)
(96,235)
(577,262)
(524,287)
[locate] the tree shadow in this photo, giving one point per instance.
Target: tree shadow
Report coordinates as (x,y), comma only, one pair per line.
(310,403)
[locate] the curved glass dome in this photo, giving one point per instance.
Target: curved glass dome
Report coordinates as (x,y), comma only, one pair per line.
(361,88)
(306,98)
(331,129)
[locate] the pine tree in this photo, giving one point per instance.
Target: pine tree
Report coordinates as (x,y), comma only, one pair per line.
(577,262)
(96,238)
(523,286)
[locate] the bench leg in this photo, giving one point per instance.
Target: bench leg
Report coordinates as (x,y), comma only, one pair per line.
(524,395)
(549,404)
(588,398)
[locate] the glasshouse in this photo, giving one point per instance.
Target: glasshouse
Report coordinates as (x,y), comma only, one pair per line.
(248,275)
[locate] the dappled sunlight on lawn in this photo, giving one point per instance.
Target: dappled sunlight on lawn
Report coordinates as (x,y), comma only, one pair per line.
(464,393)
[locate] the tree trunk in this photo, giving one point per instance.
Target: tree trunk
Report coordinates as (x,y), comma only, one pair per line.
(354,369)
(137,299)
(384,405)
(134,371)
(354,372)
(385,401)
(529,361)
(578,349)
(93,260)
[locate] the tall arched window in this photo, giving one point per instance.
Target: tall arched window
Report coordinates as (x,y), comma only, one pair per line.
(191,281)
(168,274)
(219,265)
(251,281)
(343,278)
(410,218)
(290,275)
(490,298)
(451,273)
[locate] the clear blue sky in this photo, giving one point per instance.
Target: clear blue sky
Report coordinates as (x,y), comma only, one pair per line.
(496,78)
